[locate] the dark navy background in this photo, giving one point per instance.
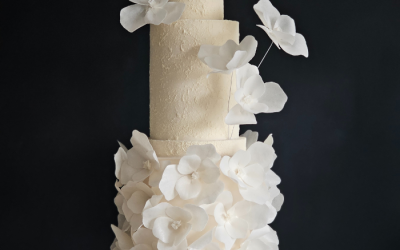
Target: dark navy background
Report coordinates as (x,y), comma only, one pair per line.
(73,81)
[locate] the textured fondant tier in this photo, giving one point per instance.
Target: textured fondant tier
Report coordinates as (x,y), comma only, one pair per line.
(203,9)
(184,103)
(171,148)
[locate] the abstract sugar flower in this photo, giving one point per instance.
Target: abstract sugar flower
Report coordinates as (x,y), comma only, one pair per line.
(150,11)
(281,29)
(228,57)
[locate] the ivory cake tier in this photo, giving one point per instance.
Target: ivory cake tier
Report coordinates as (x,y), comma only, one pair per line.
(185,105)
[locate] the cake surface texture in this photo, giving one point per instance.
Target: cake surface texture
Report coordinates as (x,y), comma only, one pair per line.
(188,107)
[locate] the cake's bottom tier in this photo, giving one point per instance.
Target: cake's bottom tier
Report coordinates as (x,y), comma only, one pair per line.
(172,148)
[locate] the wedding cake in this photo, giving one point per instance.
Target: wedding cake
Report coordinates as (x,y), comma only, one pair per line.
(195,183)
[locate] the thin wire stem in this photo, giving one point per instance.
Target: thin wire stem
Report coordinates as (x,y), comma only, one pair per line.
(262,60)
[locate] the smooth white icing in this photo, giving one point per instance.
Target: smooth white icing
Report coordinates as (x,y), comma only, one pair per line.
(203,9)
(185,105)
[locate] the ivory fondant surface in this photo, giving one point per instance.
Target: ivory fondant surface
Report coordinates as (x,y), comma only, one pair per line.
(203,9)
(171,148)
(185,105)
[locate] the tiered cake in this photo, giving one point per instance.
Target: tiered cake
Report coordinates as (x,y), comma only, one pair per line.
(186,107)
(196,184)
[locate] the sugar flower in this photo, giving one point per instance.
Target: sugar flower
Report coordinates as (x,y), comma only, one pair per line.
(228,57)
(252,137)
(261,239)
(251,171)
(150,11)
(195,177)
(236,222)
(133,199)
(137,163)
(254,96)
(281,29)
(172,224)
(144,239)
(122,240)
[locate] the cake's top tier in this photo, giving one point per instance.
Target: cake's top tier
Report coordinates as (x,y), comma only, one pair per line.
(203,9)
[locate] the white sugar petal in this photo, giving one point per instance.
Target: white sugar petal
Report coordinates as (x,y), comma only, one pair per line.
(224,165)
(258,194)
(251,137)
(144,236)
(248,44)
(124,240)
(162,229)
(188,188)
(252,175)
(174,12)
(263,154)
(157,174)
(155,15)
(223,236)
(269,140)
(228,49)
(207,151)
(153,213)
(285,24)
(299,47)
(220,214)
(278,202)
(238,60)
(182,233)
(133,17)
(207,50)
(244,73)
(168,182)
(137,201)
(188,164)
(179,214)
(267,12)
(254,86)
(209,172)
(199,217)
(237,228)
(237,116)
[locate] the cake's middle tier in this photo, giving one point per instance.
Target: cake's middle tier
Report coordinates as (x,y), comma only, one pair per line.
(185,105)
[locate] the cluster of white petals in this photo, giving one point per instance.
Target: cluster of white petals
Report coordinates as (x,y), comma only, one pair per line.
(150,11)
(139,162)
(281,29)
(228,57)
(196,177)
(190,205)
(253,96)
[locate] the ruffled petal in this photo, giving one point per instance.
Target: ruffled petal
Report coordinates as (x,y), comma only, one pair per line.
(270,140)
(181,233)
(224,165)
(207,151)
(267,13)
(168,182)
(263,154)
(206,51)
(137,201)
(251,137)
(220,214)
(223,236)
(244,73)
(248,44)
(254,86)
(237,228)
(228,49)
(203,241)
(144,236)
(199,217)
(299,47)
(163,231)
(253,175)
(155,15)
(124,240)
(217,62)
(174,12)
(119,159)
(141,2)
(188,188)
(278,202)
(157,174)
(238,60)
(133,17)
(256,108)
(151,214)
(285,24)
(179,214)
(237,116)
(209,172)
(258,194)
(188,164)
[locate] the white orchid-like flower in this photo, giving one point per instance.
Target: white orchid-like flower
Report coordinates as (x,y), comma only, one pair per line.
(122,240)
(251,171)
(254,96)
(132,200)
(236,222)
(195,177)
(139,162)
(261,239)
(172,224)
(150,11)
(228,57)
(144,239)
(252,137)
(281,29)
